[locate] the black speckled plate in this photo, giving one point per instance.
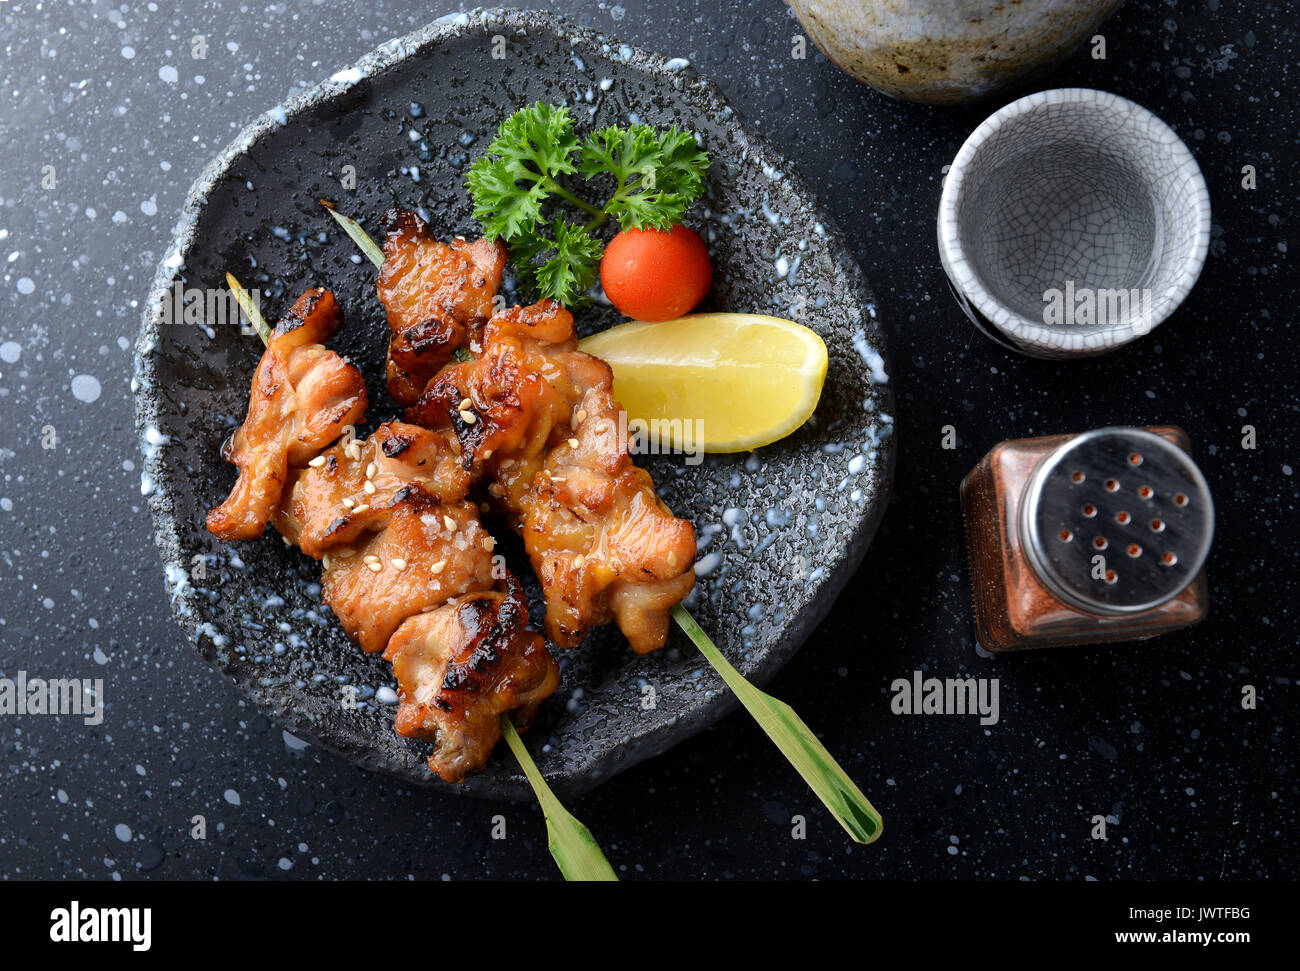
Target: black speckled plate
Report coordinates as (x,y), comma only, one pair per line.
(780,530)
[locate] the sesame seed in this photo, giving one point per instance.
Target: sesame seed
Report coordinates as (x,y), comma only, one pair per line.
(399,564)
(487,454)
(317,462)
(376,566)
(449,522)
(581,415)
(489,544)
(465,403)
(439,566)
(370,488)
(349,503)
(496,490)
(371,469)
(325,561)
(573,443)
(364,507)
(370,558)
(579,560)
(467,417)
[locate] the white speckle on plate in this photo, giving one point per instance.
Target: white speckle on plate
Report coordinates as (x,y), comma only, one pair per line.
(706,564)
(168,74)
(26,285)
(10,352)
(870,356)
(349,75)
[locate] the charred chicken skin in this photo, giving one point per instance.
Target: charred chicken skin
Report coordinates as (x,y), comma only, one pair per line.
(406,565)
(303,396)
(350,487)
(460,666)
(437,297)
(538,416)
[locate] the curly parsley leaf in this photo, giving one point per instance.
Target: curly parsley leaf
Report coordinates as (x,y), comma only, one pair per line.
(561,265)
(511,182)
(657,174)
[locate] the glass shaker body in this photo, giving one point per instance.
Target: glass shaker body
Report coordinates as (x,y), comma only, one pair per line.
(1014,608)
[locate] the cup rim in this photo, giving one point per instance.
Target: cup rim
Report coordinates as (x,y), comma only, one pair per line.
(1035,336)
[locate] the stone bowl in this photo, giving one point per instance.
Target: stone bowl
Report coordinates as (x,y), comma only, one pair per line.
(949,51)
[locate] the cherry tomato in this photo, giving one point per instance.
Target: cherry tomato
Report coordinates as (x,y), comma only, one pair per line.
(651,275)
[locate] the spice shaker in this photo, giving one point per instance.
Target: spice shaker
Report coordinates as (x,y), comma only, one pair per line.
(1077,539)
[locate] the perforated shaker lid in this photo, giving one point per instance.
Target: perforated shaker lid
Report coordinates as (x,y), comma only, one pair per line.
(1117,521)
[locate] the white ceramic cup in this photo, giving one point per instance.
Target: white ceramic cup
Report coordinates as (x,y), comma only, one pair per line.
(1072,222)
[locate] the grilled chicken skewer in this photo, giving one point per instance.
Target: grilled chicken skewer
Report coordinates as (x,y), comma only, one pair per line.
(407,566)
(539,416)
(409,570)
(535,418)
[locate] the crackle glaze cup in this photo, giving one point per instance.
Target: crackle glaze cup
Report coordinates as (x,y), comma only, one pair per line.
(1072,222)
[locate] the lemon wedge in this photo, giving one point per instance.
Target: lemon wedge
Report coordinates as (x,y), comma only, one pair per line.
(717,382)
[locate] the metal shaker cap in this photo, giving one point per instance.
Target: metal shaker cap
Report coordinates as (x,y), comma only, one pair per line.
(1129,497)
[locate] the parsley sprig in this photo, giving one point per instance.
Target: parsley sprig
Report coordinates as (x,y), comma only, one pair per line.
(523,189)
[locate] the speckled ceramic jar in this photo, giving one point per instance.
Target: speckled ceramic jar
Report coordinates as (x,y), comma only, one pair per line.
(948,51)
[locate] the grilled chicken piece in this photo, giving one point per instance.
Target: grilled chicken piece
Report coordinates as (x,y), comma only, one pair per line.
(426,553)
(351,487)
(437,298)
(538,415)
(506,402)
(460,666)
(303,396)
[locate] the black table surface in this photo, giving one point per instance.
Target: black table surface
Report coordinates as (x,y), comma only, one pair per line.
(1153,735)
